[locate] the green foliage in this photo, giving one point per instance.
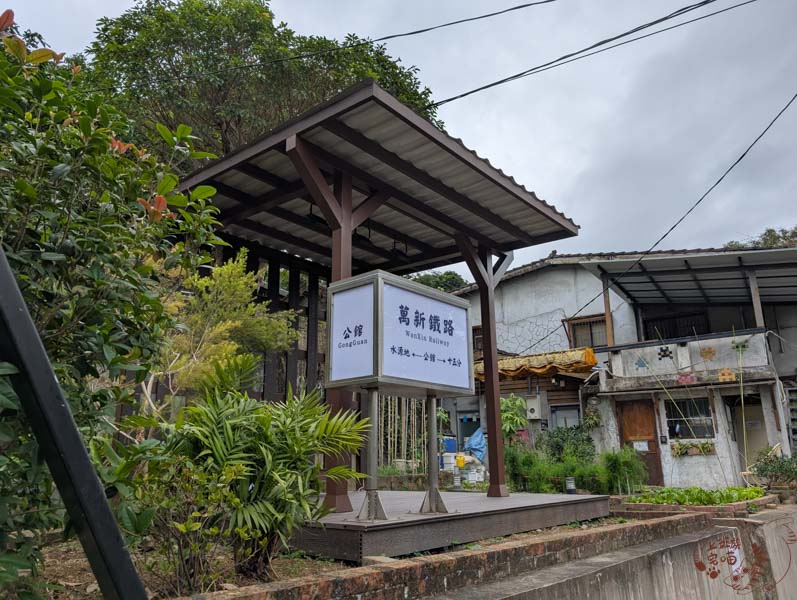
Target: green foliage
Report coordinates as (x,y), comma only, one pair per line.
(82,215)
(217,321)
(697,496)
(679,448)
(192,62)
(778,470)
(533,471)
(560,443)
(591,419)
(624,469)
(445,281)
(513,415)
(782,237)
(265,452)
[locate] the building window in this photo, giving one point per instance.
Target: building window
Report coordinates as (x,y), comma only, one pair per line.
(477,339)
(564,416)
(666,328)
(689,418)
(587,332)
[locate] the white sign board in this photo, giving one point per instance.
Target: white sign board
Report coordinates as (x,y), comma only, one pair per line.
(424,339)
(398,335)
(353,335)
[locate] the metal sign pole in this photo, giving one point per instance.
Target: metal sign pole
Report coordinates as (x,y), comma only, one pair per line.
(433,501)
(52,423)
(372,509)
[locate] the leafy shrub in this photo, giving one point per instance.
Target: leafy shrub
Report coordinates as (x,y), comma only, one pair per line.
(513,415)
(531,471)
(251,473)
(81,213)
(698,496)
(778,470)
(561,442)
(624,469)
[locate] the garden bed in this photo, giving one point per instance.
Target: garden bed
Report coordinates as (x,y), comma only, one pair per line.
(713,502)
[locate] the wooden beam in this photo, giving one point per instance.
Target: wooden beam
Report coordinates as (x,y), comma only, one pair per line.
(288,238)
(270,383)
(261,175)
(655,283)
(697,282)
(337,496)
(607,310)
(292,362)
(420,211)
(423,178)
(323,228)
(480,263)
(312,331)
(503,263)
(252,205)
(758,310)
(268,253)
(306,165)
(368,207)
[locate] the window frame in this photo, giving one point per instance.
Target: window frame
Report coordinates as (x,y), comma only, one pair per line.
(587,320)
(707,421)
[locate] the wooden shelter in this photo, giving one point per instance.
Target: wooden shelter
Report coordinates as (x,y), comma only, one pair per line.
(362,182)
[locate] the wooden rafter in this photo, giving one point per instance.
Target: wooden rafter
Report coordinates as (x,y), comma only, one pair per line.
(655,283)
(697,282)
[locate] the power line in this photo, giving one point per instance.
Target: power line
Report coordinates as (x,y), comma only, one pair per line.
(585,52)
(674,225)
(366,42)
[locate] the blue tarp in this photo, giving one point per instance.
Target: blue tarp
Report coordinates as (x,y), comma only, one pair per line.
(477,444)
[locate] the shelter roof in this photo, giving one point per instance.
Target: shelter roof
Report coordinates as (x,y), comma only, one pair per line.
(435,188)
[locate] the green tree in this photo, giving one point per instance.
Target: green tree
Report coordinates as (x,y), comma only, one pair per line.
(217,319)
(223,67)
(446,281)
(771,238)
(83,213)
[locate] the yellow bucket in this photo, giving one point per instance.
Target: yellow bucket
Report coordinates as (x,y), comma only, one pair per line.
(460,460)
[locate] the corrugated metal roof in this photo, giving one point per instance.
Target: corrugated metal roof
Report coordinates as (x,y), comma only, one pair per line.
(700,276)
(437,188)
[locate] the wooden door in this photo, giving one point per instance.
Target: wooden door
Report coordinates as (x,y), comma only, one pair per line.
(638,429)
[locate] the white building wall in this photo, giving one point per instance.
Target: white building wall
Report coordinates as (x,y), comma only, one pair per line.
(712,471)
(529,307)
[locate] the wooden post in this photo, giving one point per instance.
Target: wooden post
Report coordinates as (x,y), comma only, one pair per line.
(607,310)
(272,358)
(292,360)
(312,331)
(755,296)
(487,277)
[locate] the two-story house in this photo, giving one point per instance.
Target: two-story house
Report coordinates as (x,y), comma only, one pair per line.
(697,352)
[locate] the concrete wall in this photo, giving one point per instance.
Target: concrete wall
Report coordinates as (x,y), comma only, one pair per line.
(782,320)
(711,471)
(529,307)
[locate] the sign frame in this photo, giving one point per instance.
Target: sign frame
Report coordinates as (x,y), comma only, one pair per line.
(377,379)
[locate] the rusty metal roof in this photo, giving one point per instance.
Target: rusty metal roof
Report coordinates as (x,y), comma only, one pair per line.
(436,186)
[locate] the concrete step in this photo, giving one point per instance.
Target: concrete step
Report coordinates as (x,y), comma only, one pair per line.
(659,570)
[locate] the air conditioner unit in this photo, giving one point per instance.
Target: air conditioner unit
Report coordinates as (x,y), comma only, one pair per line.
(534,407)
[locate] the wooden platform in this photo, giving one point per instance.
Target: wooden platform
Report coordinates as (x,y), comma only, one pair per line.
(473,516)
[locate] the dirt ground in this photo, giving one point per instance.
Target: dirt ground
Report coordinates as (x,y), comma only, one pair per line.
(66,567)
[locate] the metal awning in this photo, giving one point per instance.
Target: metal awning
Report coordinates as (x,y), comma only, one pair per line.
(713,276)
(426,186)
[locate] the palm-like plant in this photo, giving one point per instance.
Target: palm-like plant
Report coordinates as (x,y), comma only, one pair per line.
(276,447)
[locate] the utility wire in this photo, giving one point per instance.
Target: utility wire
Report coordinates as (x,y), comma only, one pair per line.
(672,228)
(359,44)
(585,52)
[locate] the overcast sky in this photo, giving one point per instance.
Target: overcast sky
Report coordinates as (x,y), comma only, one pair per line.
(622,142)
